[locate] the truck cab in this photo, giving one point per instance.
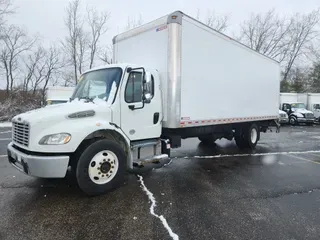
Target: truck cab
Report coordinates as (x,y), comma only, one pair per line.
(316,111)
(112,121)
(298,113)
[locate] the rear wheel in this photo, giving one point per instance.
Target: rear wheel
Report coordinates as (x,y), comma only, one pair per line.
(248,137)
(207,140)
(101,167)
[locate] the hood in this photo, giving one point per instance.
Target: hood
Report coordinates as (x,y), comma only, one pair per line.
(54,113)
(301,110)
(282,112)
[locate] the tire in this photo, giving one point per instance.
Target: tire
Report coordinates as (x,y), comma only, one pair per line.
(248,137)
(206,140)
(241,143)
(309,124)
(293,121)
(101,167)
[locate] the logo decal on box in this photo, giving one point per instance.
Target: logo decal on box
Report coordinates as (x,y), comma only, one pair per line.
(161,28)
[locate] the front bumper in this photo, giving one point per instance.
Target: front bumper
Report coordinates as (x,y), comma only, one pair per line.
(304,120)
(38,166)
(283,120)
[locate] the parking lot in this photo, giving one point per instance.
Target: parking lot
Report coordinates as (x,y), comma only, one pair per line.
(206,192)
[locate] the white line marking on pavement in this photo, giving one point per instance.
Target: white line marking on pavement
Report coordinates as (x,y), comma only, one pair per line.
(5,139)
(5,132)
(153,205)
(3,156)
(255,154)
(304,159)
(316,155)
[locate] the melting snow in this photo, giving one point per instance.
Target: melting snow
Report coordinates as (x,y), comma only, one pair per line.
(256,154)
(153,205)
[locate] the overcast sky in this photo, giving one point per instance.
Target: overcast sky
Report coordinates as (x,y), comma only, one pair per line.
(46,17)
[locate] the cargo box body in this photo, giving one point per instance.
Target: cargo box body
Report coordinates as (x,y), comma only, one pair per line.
(207,78)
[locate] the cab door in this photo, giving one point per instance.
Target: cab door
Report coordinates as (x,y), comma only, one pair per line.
(140,120)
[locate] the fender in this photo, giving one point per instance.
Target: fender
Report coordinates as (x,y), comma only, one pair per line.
(296,115)
(80,129)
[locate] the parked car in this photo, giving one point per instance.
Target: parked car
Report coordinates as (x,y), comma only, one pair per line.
(283,117)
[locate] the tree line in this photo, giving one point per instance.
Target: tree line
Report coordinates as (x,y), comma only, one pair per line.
(27,65)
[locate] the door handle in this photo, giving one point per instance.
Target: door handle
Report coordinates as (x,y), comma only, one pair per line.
(156,117)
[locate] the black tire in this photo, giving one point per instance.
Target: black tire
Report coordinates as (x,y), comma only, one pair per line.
(206,140)
(309,124)
(82,173)
(252,142)
(293,121)
(241,143)
(244,138)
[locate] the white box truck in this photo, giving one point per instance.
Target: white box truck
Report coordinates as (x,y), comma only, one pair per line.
(58,94)
(296,106)
(174,78)
(313,104)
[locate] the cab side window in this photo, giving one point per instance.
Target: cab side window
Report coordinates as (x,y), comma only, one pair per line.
(133,92)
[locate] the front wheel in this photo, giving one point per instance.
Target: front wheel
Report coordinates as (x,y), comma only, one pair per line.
(101,167)
(293,121)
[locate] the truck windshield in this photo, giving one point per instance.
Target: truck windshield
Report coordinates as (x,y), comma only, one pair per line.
(97,84)
(298,105)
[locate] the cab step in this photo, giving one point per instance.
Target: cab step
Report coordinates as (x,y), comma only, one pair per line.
(154,159)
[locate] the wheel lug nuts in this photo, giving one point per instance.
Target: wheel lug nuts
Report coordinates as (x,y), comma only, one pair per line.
(98,168)
(102,175)
(99,172)
(104,160)
(100,163)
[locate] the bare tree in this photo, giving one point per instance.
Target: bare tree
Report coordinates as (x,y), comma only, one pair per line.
(106,55)
(74,24)
(219,23)
(15,43)
(53,65)
(133,22)
(98,26)
(284,39)
(32,65)
(5,9)
(83,43)
(267,33)
(215,21)
(302,32)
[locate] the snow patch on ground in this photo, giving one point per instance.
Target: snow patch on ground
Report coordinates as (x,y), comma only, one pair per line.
(153,205)
(256,154)
(5,124)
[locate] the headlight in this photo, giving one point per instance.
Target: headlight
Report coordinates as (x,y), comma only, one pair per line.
(55,139)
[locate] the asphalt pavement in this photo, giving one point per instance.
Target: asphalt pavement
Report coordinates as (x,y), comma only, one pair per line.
(206,192)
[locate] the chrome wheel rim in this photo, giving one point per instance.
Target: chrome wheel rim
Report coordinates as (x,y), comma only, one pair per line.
(103,167)
(254,135)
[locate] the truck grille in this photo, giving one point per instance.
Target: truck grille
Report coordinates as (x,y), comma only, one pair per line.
(20,133)
(309,116)
(282,115)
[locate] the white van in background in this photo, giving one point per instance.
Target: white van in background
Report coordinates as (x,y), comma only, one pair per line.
(58,95)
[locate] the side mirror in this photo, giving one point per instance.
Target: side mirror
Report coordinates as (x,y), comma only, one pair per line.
(148,88)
